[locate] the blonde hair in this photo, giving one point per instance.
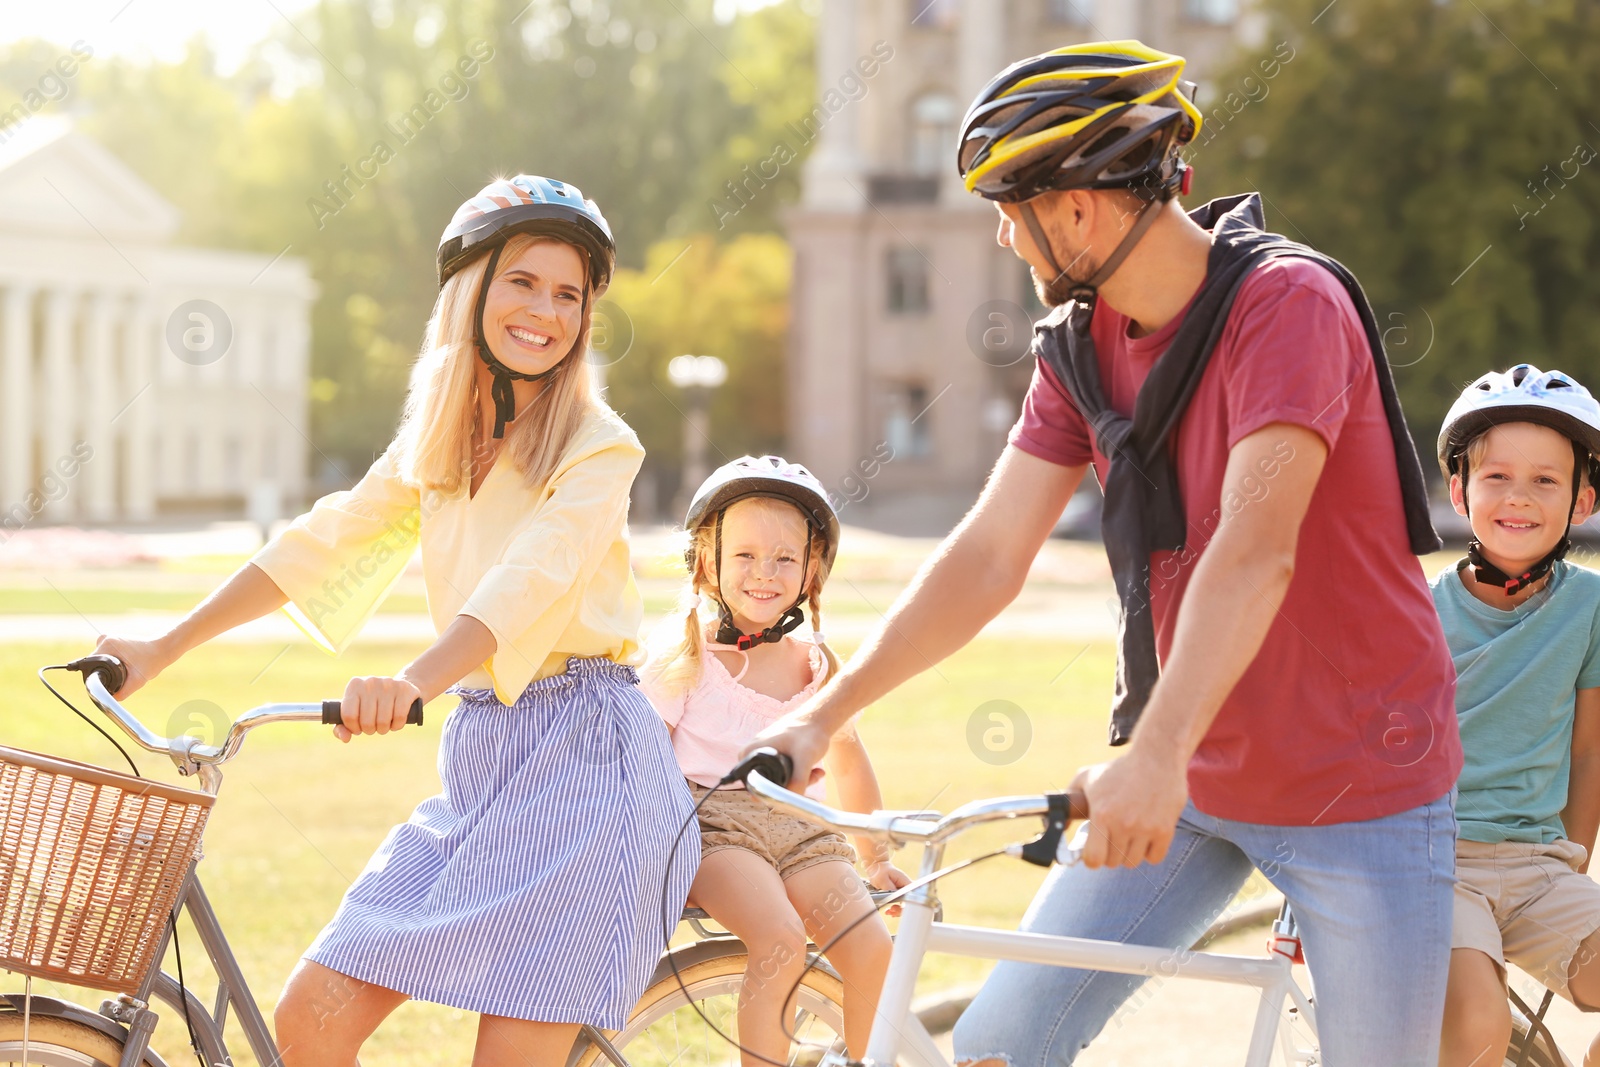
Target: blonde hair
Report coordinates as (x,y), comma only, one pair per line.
(433,444)
(678,667)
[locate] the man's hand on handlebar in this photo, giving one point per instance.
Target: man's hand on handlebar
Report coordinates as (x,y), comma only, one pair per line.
(1137,801)
(144,660)
(804,742)
(375,706)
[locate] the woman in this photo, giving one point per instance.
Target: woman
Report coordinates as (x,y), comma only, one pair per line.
(530,889)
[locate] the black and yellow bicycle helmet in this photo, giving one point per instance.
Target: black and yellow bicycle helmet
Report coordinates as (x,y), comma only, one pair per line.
(1106,115)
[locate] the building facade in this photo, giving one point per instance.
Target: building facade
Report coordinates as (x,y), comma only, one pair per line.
(138,378)
(908,347)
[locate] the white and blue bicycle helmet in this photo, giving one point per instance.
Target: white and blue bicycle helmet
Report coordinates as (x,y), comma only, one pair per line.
(1522,394)
(528,204)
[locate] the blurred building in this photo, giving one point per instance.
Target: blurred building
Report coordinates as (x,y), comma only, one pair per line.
(137,377)
(910,324)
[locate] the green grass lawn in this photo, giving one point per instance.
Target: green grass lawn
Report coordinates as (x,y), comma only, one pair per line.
(299,814)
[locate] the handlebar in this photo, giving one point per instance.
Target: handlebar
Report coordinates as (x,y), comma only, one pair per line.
(104,675)
(766,771)
(332,715)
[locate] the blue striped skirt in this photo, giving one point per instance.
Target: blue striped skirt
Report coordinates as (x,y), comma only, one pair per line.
(534,885)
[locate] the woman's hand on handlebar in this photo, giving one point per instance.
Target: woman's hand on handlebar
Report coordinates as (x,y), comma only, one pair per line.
(144,660)
(375,706)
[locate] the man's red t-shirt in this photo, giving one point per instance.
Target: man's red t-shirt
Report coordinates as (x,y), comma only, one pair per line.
(1348,711)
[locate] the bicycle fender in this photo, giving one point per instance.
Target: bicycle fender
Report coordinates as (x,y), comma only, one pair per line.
(77,1013)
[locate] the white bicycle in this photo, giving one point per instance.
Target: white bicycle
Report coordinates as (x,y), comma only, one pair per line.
(1285,1021)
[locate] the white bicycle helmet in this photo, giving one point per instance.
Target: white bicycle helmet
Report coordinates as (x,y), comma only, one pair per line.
(1522,394)
(768,476)
(771,476)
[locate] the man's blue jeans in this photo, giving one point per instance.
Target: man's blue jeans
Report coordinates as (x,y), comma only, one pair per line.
(1373,900)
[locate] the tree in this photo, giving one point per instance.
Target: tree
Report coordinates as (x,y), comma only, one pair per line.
(703,298)
(350,138)
(1443,151)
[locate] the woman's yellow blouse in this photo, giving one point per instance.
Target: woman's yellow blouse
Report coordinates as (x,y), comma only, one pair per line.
(546,569)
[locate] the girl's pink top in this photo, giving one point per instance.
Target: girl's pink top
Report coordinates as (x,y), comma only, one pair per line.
(713,721)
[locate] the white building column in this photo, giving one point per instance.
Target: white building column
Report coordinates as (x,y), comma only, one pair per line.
(980,55)
(61,403)
(293,378)
(137,422)
(101,385)
(834,172)
(16,398)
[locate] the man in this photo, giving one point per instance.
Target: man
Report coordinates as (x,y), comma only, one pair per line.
(1263,504)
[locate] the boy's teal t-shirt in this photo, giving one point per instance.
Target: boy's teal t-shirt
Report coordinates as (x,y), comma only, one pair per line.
(1517,677)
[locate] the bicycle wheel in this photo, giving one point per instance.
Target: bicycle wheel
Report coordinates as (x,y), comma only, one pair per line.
(666,1031)
(1538,1055)
(54,1042)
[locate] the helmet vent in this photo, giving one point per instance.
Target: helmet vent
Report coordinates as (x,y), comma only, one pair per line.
(1134,161)
(1105,140)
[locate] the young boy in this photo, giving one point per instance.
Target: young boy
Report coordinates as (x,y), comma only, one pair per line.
(1524,630)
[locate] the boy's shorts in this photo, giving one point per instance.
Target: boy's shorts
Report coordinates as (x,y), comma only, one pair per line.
(1528,904)
(734,818)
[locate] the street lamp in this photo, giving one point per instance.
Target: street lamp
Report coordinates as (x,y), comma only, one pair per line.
(697,376)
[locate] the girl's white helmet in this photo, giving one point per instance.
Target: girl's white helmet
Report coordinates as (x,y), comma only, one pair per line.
(1522,394)
(771,476)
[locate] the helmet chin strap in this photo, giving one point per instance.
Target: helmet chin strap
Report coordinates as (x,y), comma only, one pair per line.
(1085,293)
(504,394)
(729,634)
(1486,573)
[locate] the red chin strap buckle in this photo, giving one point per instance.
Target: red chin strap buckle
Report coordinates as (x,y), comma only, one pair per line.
(1186,180)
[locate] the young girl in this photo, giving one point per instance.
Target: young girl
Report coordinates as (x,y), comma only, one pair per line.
(763,538)
(561,797)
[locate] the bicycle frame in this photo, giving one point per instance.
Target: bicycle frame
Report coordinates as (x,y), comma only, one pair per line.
(897,1032)
(135,1013)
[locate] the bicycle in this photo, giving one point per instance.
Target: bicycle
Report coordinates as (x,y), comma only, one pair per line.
(151,850)
(897,1034)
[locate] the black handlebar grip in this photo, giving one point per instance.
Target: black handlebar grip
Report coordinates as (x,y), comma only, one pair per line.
(332,716)
(113,673)
(776,767)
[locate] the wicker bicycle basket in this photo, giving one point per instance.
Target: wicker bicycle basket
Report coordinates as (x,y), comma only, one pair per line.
(91,863)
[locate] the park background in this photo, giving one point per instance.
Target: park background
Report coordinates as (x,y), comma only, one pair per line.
(1438,147)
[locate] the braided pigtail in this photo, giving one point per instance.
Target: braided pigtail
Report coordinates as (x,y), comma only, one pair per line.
(819,549)
(816,624)
(682,662)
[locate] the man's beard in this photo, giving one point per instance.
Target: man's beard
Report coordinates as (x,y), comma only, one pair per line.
(1058,291)
(1077,269)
